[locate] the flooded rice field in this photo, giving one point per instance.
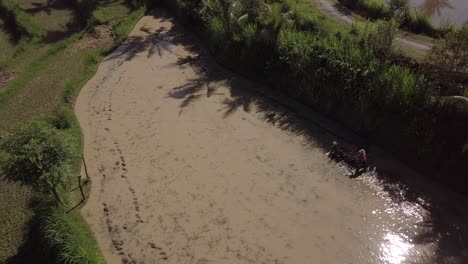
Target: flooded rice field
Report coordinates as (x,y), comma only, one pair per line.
(191,163)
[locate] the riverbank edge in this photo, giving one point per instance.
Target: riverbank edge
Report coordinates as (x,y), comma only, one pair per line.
(393,138)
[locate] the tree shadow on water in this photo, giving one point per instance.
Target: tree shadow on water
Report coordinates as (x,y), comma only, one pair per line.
(444,225)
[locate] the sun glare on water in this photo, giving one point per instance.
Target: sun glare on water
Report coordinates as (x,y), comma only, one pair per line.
(395,248)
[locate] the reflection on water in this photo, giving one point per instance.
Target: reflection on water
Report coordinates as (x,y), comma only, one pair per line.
(455,11)
(414,227)
(435,7)
(395,248)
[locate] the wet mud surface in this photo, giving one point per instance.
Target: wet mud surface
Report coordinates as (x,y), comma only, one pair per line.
(191,163)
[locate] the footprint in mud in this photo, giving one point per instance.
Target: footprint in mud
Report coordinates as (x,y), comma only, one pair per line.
(118,245)
(107,218)
(122,165)
(162,254)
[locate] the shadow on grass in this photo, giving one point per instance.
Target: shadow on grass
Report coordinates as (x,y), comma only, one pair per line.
(342,9)
(31,250)
(49,8)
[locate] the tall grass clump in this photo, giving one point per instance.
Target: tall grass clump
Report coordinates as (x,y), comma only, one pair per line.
(374,9)
(68,238)
(419,22)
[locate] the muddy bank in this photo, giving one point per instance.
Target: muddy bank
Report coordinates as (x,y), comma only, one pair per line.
(193,164)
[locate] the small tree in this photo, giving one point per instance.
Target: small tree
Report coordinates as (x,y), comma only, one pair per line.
(451,55)
(36,154)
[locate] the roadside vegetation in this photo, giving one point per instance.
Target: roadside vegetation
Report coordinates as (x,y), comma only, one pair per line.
(352,76)
(40,157)
(411,19)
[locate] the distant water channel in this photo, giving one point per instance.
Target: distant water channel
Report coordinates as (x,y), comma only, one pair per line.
(455,11)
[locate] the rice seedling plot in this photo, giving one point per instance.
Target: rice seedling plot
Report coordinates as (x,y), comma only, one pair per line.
(26,97)
(57,17)
(7,45)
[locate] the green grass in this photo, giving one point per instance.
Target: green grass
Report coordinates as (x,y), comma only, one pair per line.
(374,9)
(112,12)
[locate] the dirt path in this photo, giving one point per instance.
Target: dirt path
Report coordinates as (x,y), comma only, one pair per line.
(331,10)
(189,165)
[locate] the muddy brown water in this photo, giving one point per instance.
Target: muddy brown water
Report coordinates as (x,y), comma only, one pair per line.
(191,163)
(455,11)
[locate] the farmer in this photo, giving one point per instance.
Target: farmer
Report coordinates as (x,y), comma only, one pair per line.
(362,161)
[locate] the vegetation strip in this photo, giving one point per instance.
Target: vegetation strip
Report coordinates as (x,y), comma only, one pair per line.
(63,234)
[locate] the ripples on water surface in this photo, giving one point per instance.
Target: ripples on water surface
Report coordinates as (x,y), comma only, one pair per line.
(413,229)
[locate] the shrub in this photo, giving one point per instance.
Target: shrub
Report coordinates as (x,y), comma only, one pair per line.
(382,38)
(36,154)
(63,118)
(124,27)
